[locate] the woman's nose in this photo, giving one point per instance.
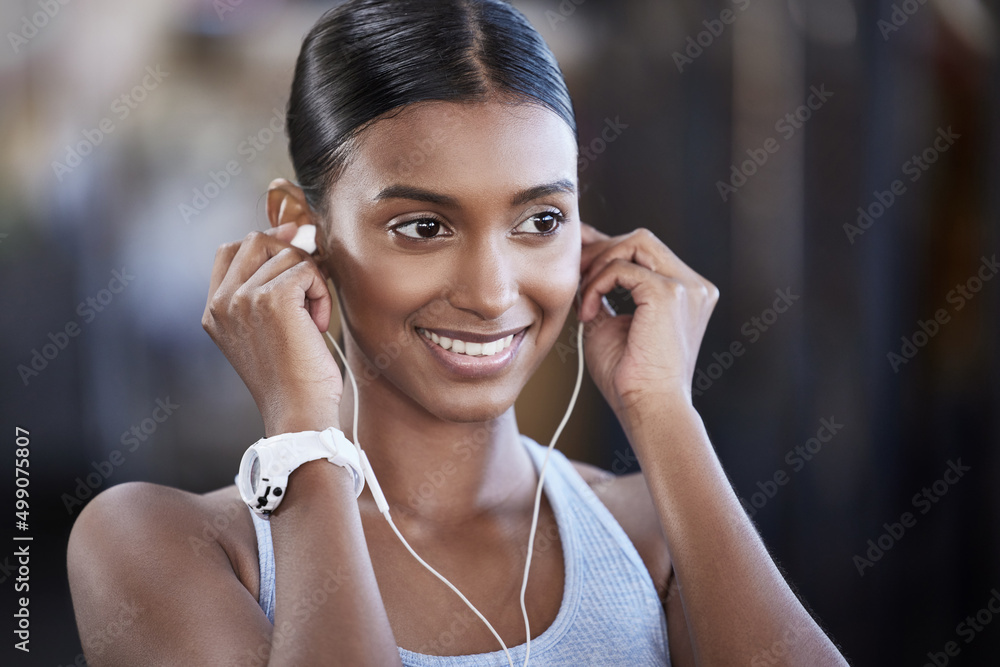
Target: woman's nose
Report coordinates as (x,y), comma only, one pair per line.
(485,280)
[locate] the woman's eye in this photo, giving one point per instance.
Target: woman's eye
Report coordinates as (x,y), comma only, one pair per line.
(545,222)
(424,228)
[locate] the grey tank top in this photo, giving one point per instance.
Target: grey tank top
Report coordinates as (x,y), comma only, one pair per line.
(610,613)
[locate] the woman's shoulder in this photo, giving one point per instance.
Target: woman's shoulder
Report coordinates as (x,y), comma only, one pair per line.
(628,499)
(167,569)
(142,526)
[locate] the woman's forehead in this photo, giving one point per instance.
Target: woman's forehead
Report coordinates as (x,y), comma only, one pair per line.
(435,143)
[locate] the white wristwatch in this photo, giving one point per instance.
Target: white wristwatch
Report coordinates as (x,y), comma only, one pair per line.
(266,465)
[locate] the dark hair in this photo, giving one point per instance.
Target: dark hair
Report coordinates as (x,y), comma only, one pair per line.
(366,58)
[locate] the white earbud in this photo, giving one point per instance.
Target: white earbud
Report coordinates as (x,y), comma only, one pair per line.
(305,238)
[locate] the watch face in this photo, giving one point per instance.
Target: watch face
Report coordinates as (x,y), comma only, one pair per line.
(255,473)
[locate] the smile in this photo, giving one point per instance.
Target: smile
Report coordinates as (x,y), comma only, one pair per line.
(472,359)
(468,348)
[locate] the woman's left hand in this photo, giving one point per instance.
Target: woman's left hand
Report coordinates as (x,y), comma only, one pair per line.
(651,353)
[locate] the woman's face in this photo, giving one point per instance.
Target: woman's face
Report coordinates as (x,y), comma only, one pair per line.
(459,219)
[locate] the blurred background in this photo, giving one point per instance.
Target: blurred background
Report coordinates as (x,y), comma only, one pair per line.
(832,165)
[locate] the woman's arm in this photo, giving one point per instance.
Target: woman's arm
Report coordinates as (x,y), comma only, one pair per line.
(328,609)
(151,586)
(140,546)
(737,606)
(268,304)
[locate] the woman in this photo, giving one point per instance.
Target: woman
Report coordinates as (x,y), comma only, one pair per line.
(435,149)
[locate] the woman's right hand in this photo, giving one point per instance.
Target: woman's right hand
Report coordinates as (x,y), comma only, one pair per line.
(268,306)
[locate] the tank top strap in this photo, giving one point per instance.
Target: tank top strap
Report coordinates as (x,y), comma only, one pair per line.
(265,557)
(265,550)
(572,480)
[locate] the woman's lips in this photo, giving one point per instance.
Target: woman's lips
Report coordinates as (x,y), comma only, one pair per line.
(466,365)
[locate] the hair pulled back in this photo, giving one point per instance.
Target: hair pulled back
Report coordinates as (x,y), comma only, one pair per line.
(366,58)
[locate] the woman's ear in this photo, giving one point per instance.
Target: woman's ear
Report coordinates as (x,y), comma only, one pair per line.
(286,202)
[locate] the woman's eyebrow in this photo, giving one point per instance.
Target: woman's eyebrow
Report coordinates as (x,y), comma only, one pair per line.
(522,197)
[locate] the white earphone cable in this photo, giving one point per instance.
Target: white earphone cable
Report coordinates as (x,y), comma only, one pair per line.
(538,491)
(384,507)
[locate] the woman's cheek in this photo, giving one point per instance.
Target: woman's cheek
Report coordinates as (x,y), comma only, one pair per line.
(553,286)
(560,280)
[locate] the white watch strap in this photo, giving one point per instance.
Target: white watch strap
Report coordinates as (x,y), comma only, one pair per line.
(346,456)
(288,451)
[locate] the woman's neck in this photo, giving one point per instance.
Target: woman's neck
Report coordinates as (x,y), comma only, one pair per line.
(434,470)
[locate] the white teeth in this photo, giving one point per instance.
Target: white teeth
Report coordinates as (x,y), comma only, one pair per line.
(471,349)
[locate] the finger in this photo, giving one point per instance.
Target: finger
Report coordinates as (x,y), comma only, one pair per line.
(592,242)
(587,255)
(307,278)
(285,259)
(643,248)
(318,300)
(256,249)
(590,234)
(223,259)
(283,232)
(619,273)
